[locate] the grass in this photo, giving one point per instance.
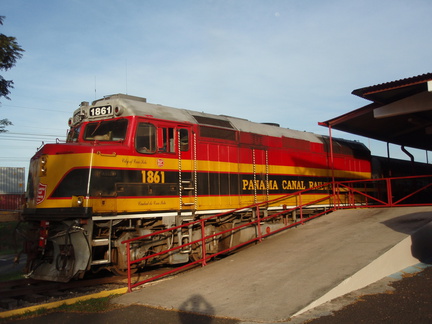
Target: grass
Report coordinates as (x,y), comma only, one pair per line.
(11,276)
(9,243)
(94,305)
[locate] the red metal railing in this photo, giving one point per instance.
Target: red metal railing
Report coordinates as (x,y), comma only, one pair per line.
(332,196)
(384,192)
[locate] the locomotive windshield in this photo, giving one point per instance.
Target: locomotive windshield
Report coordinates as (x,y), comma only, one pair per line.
(112,130)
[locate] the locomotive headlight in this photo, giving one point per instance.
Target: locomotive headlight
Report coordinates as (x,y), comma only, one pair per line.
(43,166)
(118,110)
(77,201)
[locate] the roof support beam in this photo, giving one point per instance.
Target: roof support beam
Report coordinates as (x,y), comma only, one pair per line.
(416,103)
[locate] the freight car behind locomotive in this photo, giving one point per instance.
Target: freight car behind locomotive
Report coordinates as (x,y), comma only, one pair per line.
(406,177)
(129,168)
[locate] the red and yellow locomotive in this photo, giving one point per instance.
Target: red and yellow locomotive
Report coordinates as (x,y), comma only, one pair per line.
(129,168)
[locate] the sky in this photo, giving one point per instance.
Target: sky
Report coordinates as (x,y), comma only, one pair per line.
(293,62)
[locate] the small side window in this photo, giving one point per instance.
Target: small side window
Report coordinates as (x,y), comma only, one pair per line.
(168,140)
(184,139)
(145,140)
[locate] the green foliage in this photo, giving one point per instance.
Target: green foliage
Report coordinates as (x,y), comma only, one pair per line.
(9,242)
(10,52)
(3,124)
(12,276)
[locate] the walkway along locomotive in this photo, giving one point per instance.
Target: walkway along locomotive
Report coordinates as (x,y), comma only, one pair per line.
(129,168)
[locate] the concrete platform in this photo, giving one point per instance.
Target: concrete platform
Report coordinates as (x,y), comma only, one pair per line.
(292,272)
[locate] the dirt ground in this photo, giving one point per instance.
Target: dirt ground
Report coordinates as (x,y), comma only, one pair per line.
(410,302)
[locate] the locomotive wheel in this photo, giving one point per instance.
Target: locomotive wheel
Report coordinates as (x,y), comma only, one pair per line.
(196,254)
(119,264)
(119,256)
(65,260)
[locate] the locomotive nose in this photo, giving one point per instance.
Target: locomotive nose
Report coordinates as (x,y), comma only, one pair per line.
(36,188)
(31,184)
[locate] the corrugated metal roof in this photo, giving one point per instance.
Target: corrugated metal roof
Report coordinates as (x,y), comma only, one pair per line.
(12,180)
(408,118)
(395,90)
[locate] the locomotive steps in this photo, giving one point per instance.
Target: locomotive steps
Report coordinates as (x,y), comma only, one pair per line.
(289,274)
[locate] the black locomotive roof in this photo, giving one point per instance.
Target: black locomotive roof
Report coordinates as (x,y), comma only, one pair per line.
(401,113)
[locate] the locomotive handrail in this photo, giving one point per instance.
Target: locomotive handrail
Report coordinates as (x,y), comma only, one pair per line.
(388,199)
(229,212)
(357,193)
(113,154)
(204,258)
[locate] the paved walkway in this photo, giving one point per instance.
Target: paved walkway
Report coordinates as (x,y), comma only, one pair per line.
(300,268)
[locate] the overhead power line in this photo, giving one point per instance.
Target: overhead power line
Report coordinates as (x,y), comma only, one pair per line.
(32,108)
(31,137)
(31,134)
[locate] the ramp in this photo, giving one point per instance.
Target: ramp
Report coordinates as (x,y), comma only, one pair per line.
(298,269)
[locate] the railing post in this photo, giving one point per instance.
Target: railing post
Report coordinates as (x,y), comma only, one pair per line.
(332,197)
(365,197)
(129,267)
(336,197)
(259,223)
(389,192)
(203,244)
(351,196)
(301,207)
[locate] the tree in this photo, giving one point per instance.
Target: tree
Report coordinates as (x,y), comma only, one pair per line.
(10,52)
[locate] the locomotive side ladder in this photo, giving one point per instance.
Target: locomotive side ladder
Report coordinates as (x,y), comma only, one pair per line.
(260,176)
(188,197)
(188,194)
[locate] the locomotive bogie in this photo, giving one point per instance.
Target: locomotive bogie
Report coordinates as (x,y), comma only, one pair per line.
(62,251)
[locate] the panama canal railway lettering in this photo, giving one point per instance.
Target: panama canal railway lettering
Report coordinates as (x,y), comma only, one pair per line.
(282,184)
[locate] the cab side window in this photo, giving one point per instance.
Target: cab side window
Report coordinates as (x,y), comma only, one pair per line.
(145,139)
(184,139)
